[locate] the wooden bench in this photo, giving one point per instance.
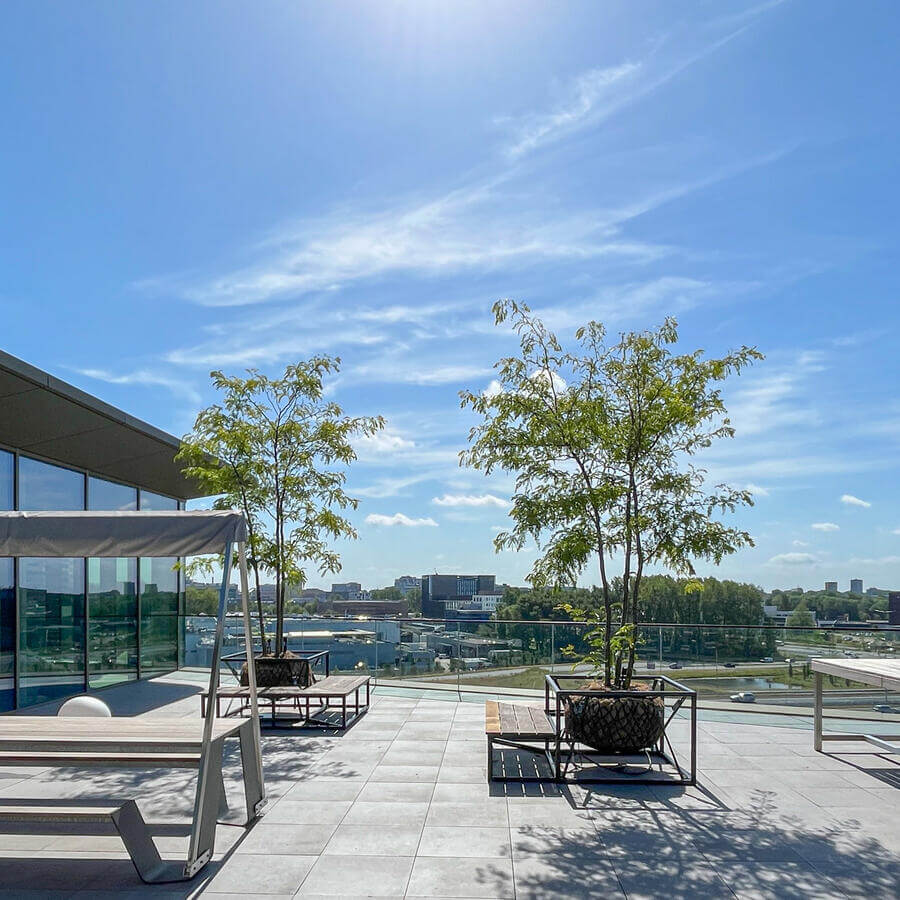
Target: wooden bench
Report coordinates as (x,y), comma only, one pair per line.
(522,727)
(127,820)
(332,688)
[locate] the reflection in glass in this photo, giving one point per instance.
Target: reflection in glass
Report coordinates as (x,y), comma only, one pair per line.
(112,621)
(7,635)
(159,644)
(159,586)
(7,470)
(103,494)
(51,629)
(44,486)
(149,500)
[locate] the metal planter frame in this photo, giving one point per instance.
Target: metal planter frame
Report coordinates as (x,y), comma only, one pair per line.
(565,752)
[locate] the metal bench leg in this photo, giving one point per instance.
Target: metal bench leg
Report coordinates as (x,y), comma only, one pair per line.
(136,836)
(251,767)
(817,713)
(344,711)
(490,760)
(206,810)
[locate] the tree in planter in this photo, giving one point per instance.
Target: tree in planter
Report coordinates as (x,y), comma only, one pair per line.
(278,451)
(600,440)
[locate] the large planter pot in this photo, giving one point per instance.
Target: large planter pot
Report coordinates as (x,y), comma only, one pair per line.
(615,724)
(279,671)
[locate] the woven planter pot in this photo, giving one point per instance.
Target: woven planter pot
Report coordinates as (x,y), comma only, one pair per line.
(280,671)
(626,724)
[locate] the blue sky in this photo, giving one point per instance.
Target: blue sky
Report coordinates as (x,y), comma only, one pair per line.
(189,186)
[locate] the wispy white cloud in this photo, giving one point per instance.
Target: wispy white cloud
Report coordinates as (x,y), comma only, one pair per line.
(483,500)
(799,543)
(381,443)
(793,559)
(400,519)
(825,526)
(756,490)
(145,378)
(592,95)
(850,500)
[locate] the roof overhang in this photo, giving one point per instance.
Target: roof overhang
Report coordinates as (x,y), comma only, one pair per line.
(41,415)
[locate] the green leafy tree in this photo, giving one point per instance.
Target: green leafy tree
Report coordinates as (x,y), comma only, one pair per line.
(600,440)
(277,450)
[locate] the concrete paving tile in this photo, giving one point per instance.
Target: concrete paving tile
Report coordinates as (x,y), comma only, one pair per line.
(551,811)
(473,840)
(405,773)
(316,789)
(461,877)
(281,837)
(308,812)
(262,874)
(382,839)
(538,877)
(491,812)
(344,876)
(397,792)
(463,774)
(379,812)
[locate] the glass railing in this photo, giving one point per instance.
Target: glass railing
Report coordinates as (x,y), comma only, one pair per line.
(758,667)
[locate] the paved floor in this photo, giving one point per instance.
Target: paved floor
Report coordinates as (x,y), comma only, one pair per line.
(399,807)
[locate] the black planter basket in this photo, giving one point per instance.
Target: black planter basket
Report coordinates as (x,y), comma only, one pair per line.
(616,724)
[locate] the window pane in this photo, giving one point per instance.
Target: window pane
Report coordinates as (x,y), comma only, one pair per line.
(159,644)
(150,500)
(43,486)
(6,480)
(112,621)
(51,629)
(159,586)
(7,635)
(104,494)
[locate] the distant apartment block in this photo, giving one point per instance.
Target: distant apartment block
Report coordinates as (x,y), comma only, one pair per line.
(856,586)
(407,583)
(348,590)
(831,587)
(454,596)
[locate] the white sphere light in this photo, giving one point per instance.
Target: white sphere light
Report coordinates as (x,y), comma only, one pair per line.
(84,706)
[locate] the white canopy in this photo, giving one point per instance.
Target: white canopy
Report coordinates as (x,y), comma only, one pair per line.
(146,533)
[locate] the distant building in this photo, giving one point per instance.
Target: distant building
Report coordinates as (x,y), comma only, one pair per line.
(308,595)
(454,596)
(266,593)
(407,583)
(348,590)
(831,587)
(894,608)
(369,607)
(856,586)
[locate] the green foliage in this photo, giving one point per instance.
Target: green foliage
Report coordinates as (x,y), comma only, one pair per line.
(277,450)
(599,440)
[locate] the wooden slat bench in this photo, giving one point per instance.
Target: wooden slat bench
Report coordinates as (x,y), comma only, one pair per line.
(321,694)
(127,820)
(521,727)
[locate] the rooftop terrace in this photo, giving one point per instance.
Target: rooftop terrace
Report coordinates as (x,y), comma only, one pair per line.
(399,806)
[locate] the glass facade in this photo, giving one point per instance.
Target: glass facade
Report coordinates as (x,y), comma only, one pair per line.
(81,622)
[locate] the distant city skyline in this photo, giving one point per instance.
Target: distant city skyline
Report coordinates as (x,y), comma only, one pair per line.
(210,188)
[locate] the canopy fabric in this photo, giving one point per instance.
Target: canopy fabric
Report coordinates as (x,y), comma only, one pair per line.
(145,533)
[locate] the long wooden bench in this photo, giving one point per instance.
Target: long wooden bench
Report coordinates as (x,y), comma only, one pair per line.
(321,694)
(127,820)
(519,726)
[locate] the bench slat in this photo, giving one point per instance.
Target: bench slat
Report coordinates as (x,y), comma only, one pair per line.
(57,813)
(516,721)
(68,758)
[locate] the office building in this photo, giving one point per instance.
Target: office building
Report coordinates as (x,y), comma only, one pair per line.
(454,595)
(407,583)
(894,608)
(856,586)
(831,587)
(71,624)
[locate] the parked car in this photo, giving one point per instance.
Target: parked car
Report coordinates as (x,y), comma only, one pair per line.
(744,697)
(730,665)
(885,708)
(651,664)
(767,659)
(675,665)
